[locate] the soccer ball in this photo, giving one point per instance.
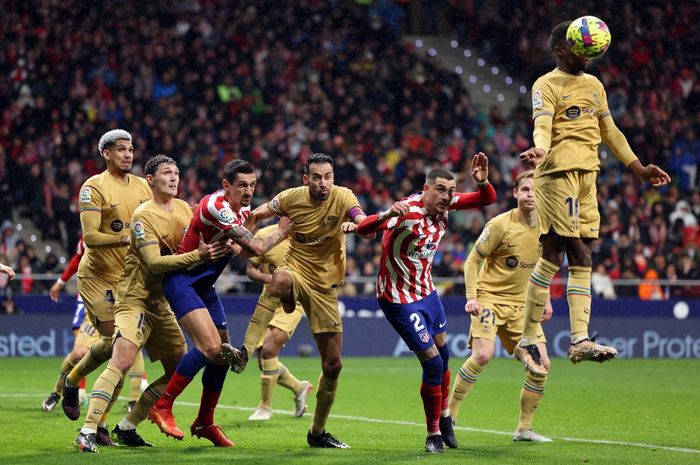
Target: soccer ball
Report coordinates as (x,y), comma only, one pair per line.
(588,37)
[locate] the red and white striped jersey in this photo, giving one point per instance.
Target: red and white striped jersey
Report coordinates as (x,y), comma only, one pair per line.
(410,243)
(213,216)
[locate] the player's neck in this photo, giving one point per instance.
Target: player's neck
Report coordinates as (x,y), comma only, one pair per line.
(163,201)
(564,69)
(529,218)
(118,173)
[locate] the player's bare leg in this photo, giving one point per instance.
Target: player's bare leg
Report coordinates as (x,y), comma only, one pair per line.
(282,287)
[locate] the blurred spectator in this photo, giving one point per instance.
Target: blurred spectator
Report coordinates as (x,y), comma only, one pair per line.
(601,283)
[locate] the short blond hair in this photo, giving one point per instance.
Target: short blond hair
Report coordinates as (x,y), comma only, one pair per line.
(529,174)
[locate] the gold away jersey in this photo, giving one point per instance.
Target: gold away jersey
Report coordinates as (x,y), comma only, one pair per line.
(116,202)
(576,103)
(151,225)
(316,244)
(511,249)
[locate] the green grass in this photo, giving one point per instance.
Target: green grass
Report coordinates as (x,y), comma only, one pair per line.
(649,410)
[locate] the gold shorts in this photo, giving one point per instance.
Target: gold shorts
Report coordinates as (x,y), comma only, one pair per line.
(151,326)
(506,321)
(98,295)
(86,335)
(566,203)
(320,305)
(282,320)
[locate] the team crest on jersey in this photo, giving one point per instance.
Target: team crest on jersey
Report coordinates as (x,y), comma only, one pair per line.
(330,221)
(484,235)
(86,195)
(424,336)
(226,215)
(536,98)
(139,230)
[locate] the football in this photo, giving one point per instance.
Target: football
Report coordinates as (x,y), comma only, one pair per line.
(588,37)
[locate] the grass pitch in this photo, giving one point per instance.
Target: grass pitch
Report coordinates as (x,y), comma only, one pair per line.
(622,412)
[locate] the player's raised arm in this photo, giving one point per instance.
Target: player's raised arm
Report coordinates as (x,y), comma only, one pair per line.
(486,195)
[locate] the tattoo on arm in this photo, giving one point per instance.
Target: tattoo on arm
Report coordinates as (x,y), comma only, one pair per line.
(272,240)
(253,245)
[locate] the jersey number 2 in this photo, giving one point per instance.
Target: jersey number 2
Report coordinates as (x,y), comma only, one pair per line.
(415,319)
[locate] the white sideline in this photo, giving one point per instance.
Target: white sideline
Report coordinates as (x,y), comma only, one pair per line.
(420,425)
(474,430)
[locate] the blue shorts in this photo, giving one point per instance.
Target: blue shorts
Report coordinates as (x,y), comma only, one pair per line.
(418,322)
(189,290)
(79,314)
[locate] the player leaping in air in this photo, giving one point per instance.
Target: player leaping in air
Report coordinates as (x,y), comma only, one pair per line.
(571,114)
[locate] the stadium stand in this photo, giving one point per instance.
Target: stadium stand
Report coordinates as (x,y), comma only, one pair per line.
(206,81)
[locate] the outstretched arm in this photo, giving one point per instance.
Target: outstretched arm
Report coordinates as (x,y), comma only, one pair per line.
(253,246)
(376,222)
(613,138)
(157,263)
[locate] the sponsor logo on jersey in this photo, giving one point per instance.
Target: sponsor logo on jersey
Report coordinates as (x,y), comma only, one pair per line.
(573,112)
(117,225)
(302,239)
(139,230)
(86,195)
(512,262)
(536,98)
(524,265)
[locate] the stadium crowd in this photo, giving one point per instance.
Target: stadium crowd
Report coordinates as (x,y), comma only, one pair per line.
(205,81)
